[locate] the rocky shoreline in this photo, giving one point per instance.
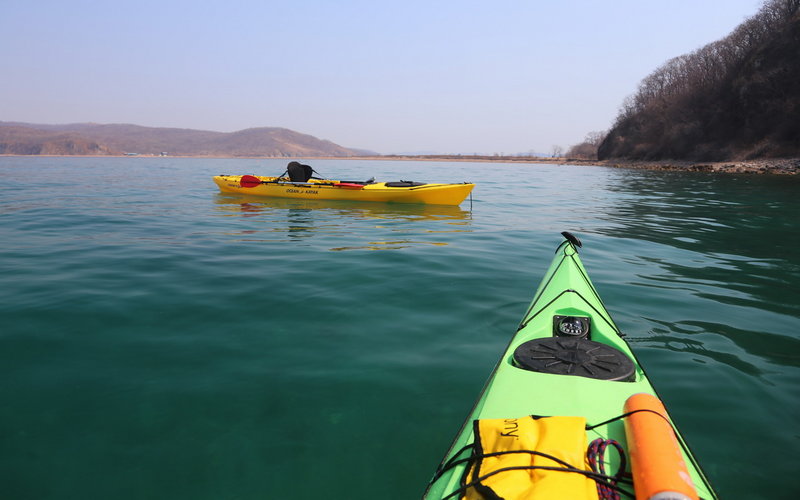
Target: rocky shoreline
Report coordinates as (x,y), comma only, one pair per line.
(777,166)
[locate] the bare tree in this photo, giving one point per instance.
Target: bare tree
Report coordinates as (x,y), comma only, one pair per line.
(588,148)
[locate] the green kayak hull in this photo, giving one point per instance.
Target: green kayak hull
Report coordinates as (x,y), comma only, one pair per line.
(511,391)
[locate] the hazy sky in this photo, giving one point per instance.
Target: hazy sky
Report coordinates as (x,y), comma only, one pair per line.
(395,76)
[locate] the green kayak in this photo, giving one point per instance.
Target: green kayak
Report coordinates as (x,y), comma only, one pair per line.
(568,412)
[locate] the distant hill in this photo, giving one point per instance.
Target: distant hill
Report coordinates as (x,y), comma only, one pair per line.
(22,140)
(98,139)
(737,98)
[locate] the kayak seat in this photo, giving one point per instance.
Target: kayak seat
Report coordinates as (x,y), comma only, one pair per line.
(299,172)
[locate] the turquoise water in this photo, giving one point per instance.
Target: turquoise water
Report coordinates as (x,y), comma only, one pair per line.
(162,340)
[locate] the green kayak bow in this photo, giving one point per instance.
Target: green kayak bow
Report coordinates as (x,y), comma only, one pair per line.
(568,411)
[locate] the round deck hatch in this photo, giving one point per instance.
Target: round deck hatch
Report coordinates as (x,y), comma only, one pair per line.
(574,356)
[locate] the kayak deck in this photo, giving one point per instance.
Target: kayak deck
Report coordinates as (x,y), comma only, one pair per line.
(513,391)
(326,189)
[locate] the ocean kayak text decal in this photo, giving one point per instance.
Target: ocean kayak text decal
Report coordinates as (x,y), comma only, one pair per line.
(308,191)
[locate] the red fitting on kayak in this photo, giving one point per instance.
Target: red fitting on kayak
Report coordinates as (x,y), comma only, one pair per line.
(349,185)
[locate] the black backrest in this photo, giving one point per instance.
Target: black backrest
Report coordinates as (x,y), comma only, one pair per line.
(299,172)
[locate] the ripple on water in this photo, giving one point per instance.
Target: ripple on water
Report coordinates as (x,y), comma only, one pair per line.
(168,340)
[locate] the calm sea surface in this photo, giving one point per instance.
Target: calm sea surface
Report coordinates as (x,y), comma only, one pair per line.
(159,339)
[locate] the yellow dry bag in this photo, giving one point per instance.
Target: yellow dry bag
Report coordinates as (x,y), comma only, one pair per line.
(530,458)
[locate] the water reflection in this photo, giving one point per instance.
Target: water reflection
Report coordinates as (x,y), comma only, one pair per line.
(300,222)
(345,225)
(702,354)
(739,215)
(677,337)
(366,209)
(715,262)
(730,239)
(775,348)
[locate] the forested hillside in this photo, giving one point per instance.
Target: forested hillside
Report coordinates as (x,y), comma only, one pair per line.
(737,98)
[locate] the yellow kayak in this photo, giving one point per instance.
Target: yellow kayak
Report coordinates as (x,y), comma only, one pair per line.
(325,189)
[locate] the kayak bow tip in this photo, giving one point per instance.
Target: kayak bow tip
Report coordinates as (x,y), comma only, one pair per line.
(572,238)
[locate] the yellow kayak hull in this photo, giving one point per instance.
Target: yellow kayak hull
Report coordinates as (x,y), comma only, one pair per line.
(323,189)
